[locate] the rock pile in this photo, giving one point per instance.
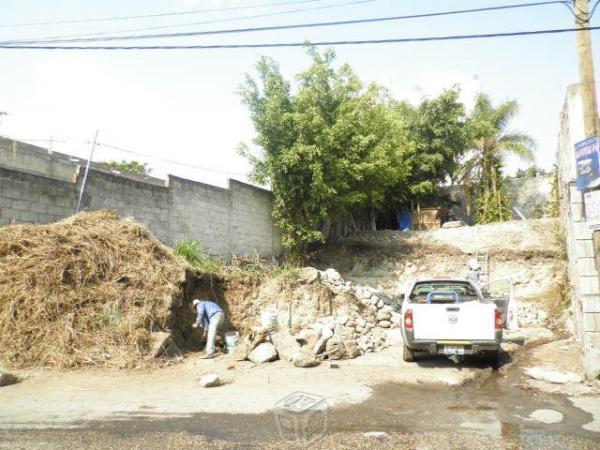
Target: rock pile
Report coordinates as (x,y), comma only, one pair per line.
(361,328)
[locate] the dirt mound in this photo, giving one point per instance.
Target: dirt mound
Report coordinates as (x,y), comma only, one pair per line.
(529,252)
(84,291)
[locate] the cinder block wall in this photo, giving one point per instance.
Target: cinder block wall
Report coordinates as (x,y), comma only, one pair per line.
(41,187)
(584,278)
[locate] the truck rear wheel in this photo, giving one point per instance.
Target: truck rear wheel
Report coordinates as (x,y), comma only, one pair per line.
(408,355)
(492,358)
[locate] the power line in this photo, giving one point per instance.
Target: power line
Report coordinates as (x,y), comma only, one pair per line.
(303,25)
(593,10)
(224,172)
(231,19)
(123,150)
(165,14)
(302,44)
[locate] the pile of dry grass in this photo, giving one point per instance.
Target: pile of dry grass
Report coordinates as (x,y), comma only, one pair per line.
(84,291)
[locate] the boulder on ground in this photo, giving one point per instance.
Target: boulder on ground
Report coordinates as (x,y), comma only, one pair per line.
(308,275)
(265,352)
(331,275)
(383,315)
(342,348)
(396,318)
(210,380)
(7,378)
(319,346)
(163,345)
(453,224)
(308,337)
(285,344)
(385,324)
(303,358)
(553,376)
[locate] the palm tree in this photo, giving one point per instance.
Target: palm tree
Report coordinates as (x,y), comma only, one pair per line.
(491,142)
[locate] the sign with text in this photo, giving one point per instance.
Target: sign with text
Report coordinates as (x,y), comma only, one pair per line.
(587,159)
(592,209)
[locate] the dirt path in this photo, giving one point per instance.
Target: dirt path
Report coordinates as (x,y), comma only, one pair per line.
(425,405)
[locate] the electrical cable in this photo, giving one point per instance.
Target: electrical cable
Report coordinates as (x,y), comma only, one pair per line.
(120,149)
(231,19)
(591,14)
(292,26)
(302,44)
(223,172)
(166,14)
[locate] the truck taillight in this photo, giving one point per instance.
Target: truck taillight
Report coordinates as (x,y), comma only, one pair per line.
(498,322)
(408,319)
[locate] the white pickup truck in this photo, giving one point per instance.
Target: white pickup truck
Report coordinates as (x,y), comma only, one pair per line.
(450,317)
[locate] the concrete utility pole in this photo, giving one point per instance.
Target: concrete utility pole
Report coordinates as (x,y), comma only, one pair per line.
(586,68)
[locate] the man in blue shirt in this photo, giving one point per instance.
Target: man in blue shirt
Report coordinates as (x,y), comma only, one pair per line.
(210,317)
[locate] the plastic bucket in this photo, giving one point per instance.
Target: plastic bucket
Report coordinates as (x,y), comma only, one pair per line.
(232,339)
(268,318)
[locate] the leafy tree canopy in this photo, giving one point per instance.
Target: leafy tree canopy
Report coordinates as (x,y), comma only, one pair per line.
(130,166)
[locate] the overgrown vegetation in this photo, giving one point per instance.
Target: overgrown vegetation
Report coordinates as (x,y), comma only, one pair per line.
(130,166)
(332,148)
(191,251)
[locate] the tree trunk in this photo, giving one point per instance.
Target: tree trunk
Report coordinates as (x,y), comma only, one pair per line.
(496,192)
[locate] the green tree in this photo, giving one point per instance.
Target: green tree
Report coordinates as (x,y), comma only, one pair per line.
(130,166)
(437,130)
(491,141)
(330,148)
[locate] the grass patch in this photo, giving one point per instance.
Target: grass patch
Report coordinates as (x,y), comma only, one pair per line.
(192,252)
(244,266)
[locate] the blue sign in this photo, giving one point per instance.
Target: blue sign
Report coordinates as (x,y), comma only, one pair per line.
(587,159)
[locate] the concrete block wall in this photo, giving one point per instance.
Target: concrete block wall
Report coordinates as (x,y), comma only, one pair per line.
(584,278)
(33,159)
(236,220)
(202,211)
(30,198)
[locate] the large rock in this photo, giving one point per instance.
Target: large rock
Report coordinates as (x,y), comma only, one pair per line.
(453,224)
(553,376)
(383,315)
(308,275)
(7,378)
(265,352)
(385,324)
(285,344)
(319,346)
(303,358)
(308,337)
(331,275)
(342,348)
(163,345)
(210,380)
(396,318)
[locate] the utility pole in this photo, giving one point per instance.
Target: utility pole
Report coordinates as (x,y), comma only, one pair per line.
(87,169)
(586,68)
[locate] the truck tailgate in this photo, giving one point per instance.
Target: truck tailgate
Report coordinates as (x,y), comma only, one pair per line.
(470,321)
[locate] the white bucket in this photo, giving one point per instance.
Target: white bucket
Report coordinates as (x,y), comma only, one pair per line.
(232,339)
(268,318)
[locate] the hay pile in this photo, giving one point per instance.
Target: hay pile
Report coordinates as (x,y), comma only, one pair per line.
(84,291)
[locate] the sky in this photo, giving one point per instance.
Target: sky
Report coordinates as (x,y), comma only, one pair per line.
(181,109)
